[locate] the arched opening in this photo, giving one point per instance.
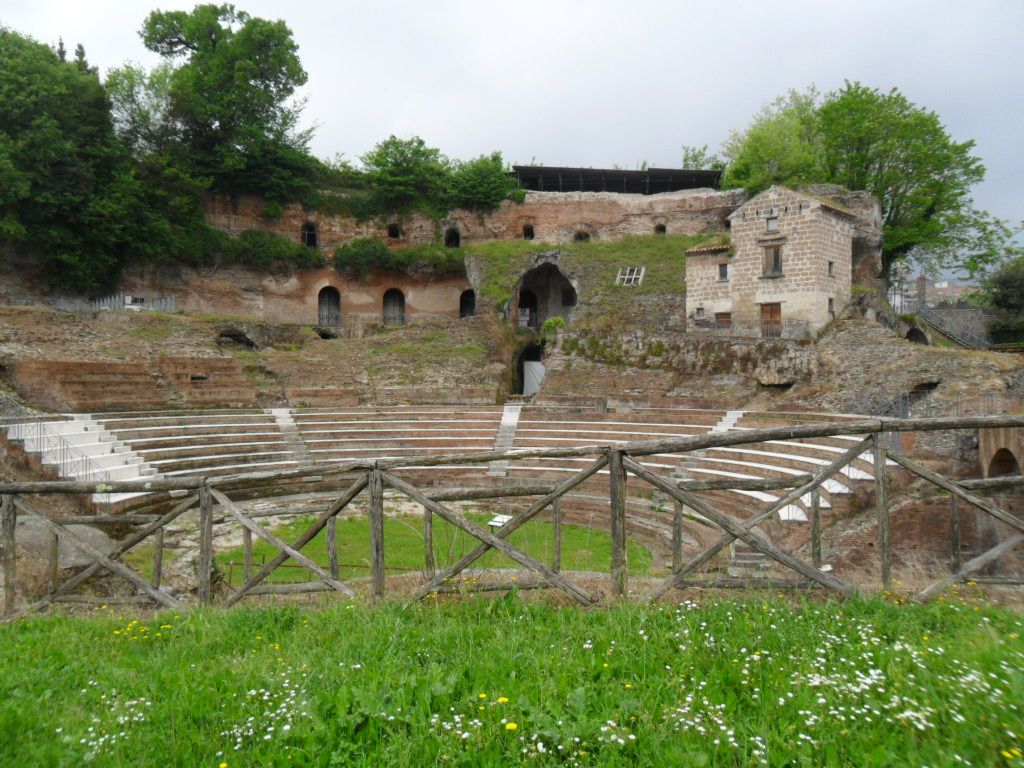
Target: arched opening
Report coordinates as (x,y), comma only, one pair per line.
(528,232)
(394,307)
(394,231)
(529,371)
(917,336)
(452,238)
(307,235)
(329,305)
(544,292)
(467,303)
(1003,463)
(581,237)
(659,229)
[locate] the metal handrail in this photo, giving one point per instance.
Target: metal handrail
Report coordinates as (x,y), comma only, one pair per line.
(32,425)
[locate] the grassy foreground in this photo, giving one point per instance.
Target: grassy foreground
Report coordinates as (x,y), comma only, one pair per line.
(494,683)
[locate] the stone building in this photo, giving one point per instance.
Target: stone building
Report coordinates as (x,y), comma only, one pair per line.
(786,271)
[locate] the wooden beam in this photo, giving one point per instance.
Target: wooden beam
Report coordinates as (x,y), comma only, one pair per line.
(739,531)
(53,564)
(956,490)
(158,558)
(457,519)
(677,535)
(204,564)
(318,525)
(273,540)
(8,523)
(556,535)
(954,530)
(816,528)
(970,567)
(376,513)
(512,525)
(709,552)
(740,484)
(882,511)
(246,555)
(332,548)
(617,496)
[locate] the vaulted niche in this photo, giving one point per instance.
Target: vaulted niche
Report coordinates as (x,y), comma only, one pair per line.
(544,292)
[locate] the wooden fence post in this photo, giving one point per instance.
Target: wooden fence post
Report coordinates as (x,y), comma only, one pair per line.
(8,522)
(816,528)
(429,560)
(53,564)
(954,524)
(376,488)
(617,494)
(246,555)
(677,536)
(556,532)
(205,564)
(882,511)
(158,558)
(332,548)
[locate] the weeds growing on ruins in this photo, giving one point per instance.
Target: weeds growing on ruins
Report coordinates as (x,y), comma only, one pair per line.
(745,683)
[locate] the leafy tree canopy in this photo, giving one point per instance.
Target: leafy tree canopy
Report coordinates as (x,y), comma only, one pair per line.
(1004,288)
(863,138)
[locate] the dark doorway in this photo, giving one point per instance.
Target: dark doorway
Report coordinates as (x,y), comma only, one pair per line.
(452,238)
(581,237)
(467,303)
(528,232)
(307,235)
(659,229)
(329,302)
(394,307)
(394,231)
(544,292)
(917,336)
(531,353)
(528,309)
(1003,463)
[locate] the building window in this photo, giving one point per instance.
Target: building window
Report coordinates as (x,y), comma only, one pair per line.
(659,229)
(569,297)
(528,232)
(831,269)
(581,237)
(723,319)
(307,235)
(772,224)
(394,231)
(699,314)
(832,308)
(773,261)
(723,273)
(630,276)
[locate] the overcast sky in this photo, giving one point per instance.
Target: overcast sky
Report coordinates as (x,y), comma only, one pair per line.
(599,83)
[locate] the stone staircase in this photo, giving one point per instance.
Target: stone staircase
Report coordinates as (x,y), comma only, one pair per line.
(292,435)
(505,437)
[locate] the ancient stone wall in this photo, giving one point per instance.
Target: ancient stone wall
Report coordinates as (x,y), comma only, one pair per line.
(554,217)
(816,242)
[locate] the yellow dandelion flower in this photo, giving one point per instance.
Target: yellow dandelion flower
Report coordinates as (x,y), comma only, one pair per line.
(223,765)
(605,665)
(502,700)
(510,726)
(483,696)
(1007,754)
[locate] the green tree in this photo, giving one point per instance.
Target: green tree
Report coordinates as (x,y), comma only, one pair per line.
(67,189)
(483,183)
(231,98)
(406,174)
(700,159)
(1004,288)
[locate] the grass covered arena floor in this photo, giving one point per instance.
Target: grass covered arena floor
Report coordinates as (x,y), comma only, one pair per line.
(733,682)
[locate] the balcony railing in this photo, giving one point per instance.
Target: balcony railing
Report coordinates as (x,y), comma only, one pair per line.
(783,329)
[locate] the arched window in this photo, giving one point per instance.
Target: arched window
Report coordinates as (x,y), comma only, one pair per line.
(307,235)
(917,336)
(394,231)
(452,238)
(581,237)
(394,307)
(659,229)
(467,303)
(528,232)
(329,304)
(1003,463)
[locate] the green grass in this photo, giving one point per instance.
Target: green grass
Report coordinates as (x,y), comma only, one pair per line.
(728,683)
(583,549)
(502,263)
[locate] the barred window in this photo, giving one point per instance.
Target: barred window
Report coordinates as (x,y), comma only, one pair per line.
(630,276)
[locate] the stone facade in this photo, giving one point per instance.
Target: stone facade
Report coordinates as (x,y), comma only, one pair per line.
(554,217)
(810,281)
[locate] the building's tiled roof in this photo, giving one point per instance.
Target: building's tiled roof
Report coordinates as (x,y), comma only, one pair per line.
(716,248)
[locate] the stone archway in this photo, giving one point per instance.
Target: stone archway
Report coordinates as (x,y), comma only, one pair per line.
(1003,462)
(917,336)
(329,307)
(544,292)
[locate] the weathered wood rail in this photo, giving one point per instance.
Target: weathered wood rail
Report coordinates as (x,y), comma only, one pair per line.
(205,494)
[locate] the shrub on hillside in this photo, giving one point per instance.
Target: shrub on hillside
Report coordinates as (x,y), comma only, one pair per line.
(361,257)
(265,250)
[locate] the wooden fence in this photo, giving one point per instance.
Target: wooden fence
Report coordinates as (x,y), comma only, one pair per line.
(373,477)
